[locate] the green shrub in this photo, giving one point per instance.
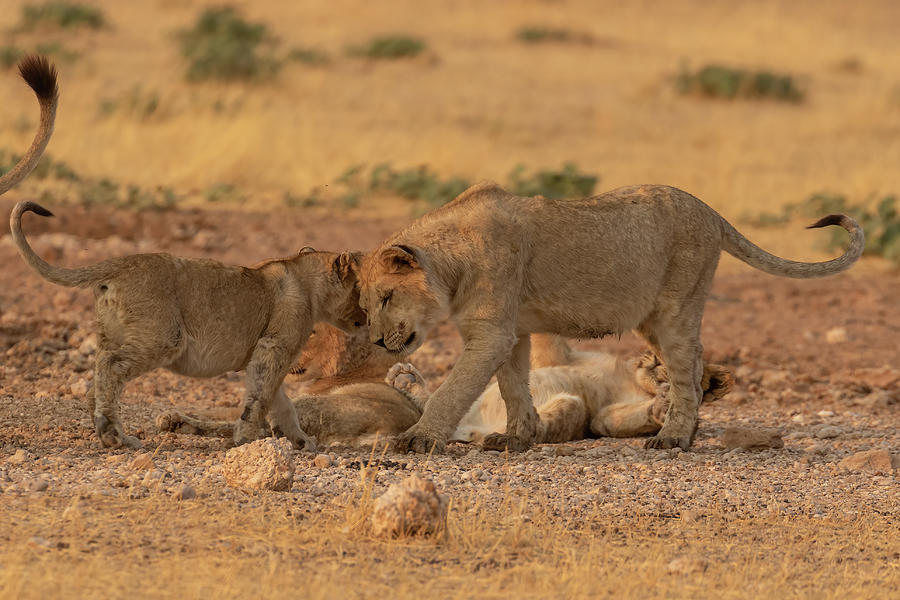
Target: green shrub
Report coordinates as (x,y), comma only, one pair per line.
(389,47)
(10,56)
(221,45)
(47,167)
(565,183)
(58,13)
(223,192)
(417,183)
(536,34)
(309,56)
(881,225)
(716,81)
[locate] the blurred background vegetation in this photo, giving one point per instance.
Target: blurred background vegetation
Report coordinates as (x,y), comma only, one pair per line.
(395,107)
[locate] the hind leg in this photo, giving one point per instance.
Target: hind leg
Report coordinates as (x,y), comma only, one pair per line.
(112,371)
(171,420)
(563,418)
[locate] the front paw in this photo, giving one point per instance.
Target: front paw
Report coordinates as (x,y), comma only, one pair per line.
(665,442)
(245,432)
(112,435)
(419,442)
(502,441)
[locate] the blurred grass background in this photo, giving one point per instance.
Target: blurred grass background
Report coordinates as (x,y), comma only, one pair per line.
(473,90)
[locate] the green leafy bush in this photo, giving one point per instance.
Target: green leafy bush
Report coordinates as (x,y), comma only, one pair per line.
(389,47)
(221,45)
(716,81)
(567,182)
(309,56)
(58,13)
(536,34)
(417,183)
(47,167)
(10,56)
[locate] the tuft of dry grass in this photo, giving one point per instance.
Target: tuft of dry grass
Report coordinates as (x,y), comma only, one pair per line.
(268,546)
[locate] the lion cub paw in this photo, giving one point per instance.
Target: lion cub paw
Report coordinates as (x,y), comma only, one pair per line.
(405,377)
(502,441)
(660,405)
(168,421)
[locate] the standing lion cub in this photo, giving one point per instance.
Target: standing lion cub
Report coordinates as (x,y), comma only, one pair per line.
(193,317)
(504,267)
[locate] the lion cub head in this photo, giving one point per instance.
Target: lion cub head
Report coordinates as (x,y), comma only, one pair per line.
(341,306)
(400,303)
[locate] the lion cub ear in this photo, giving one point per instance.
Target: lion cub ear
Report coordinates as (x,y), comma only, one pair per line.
(306,250)
(399,259)
(347,264)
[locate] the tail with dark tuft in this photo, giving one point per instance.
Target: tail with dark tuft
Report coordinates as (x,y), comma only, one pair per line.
(831,220)
(40,75)
(81,277)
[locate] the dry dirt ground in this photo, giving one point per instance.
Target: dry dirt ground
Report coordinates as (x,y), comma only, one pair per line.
(817,360)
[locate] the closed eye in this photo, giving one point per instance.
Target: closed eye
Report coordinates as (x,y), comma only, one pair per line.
(386,298)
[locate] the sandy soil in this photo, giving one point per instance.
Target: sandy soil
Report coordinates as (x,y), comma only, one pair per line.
(817,360)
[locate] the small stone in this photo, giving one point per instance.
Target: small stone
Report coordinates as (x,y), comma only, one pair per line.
(825,413)
(410,507)
(36,484)
(687,565)
(184,492)
(564,450)
(39,542)
(20,457)
(79,388)
(266,464)
(749,438)
(322,461)
(837,335)
(142,461)
(874,461)
(828,432)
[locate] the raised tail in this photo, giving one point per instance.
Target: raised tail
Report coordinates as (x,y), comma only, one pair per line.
(741,248)
(82,277)
(40,75)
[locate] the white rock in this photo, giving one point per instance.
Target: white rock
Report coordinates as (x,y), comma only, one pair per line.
(266,464)
(836,335)
(413,506)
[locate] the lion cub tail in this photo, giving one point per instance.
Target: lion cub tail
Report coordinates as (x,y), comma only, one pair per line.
(59,275)
(741,248)
(40,75)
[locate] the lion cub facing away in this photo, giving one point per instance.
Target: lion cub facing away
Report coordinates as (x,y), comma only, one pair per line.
(202,318)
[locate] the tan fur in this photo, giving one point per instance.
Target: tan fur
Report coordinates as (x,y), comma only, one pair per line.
(577,394)
(505,267)
(202,318)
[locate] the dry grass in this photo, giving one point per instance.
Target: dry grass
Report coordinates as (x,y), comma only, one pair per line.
(486,102)
(268,546)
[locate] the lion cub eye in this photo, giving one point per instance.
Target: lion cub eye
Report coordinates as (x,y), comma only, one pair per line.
(386,298)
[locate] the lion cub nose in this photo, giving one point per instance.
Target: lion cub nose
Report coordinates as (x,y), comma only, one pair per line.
(380,342)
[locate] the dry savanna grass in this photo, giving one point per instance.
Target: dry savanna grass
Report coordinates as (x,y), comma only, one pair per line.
(479,101)
(269,546)
(473,103)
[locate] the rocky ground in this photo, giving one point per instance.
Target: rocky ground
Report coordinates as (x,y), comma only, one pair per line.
(817,366)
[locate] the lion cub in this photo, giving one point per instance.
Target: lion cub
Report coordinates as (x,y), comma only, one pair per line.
(202,318)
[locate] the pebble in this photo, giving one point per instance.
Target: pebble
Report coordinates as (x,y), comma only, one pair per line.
(875,461)
(836,335)
(36,484)
(828,432)
(322,461)
(20,457)
(185,492)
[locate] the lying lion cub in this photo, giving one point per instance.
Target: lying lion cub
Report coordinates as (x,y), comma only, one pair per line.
(577,394)
(504,267)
